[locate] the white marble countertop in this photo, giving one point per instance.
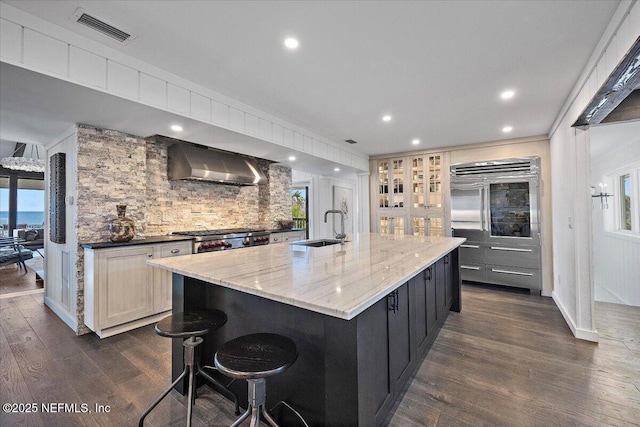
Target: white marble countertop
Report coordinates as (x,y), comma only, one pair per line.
(339,281)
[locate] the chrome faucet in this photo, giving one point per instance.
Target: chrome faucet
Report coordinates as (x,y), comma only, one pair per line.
(340,236)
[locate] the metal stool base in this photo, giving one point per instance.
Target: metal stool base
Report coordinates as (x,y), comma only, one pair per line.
(257,396)
(192,369)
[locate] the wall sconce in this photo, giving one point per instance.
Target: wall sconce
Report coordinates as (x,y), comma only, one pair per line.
(603,196)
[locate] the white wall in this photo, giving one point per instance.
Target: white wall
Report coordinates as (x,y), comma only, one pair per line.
(321,191)
(61,284)
(570,168)
(616,274)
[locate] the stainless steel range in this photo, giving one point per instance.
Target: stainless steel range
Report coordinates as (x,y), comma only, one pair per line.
(228,238)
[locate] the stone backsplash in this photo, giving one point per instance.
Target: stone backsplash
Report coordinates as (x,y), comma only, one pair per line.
(116,168)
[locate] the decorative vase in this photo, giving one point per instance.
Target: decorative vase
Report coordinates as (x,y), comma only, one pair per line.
(121,229)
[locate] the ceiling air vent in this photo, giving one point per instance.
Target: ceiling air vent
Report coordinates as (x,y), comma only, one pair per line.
(103,26)
(350,141)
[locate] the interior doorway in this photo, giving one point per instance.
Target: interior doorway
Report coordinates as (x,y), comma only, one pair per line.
(22,217)
(615,188)
(300,208)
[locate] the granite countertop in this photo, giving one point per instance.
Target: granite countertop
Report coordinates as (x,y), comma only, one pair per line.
(339,281)
(141,241)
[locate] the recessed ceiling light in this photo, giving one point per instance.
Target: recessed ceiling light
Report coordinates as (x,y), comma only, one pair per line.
(507,129)
(176,128)
(507,94)
(291,43)
(415,141)
(292,158)
(386,118)
(336,169)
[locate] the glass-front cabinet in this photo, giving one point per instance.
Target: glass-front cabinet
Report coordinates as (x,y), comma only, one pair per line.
(391,225)
(391,183)
(426,181)
(426,226)
(398,183)
(434,172)
(418,183)
(410,195)
(383,184)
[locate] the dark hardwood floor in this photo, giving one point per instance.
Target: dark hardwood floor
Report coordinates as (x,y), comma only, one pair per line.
(507,359)
(14,279)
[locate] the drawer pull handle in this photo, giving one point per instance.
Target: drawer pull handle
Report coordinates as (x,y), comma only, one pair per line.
(517,273)
(468,267)
(499,248)
(470,246)
(175,251)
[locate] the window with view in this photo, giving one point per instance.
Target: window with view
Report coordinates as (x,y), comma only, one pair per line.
(625,202)
(622,214)
(4,206)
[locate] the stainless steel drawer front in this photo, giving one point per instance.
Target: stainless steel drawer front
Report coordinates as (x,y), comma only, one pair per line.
(519,273)
(517,257)
(514,276)
(500,248)
(473,272)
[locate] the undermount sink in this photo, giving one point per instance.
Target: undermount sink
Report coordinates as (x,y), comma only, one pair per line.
(317,243)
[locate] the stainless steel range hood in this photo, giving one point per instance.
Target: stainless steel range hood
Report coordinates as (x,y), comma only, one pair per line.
(187,161)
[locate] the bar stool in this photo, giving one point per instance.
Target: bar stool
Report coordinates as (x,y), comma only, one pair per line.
(254,358)
(190,325)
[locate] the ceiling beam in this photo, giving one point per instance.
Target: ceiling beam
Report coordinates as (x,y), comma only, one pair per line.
(622,81)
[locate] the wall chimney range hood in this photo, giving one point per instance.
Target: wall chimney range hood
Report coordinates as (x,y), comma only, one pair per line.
(187,161)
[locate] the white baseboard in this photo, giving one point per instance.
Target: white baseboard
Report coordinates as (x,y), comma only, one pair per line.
(579,333)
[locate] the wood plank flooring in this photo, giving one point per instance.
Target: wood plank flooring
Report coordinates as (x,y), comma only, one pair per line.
(14,279)
(508,359)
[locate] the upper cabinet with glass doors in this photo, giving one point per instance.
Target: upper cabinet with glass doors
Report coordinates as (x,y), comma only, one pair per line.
(391,183)
(426,181)
(410,195)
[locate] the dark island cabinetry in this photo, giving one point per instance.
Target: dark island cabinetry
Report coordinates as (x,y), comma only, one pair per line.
(348,372)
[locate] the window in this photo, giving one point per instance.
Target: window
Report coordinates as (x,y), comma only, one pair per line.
(4,206)
(22,201)
(622,215)
(625,202)
(30,212)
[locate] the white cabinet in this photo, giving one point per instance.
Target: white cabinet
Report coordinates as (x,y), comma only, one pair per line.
(121,291)
(410,195)
(286,236)
(162,301)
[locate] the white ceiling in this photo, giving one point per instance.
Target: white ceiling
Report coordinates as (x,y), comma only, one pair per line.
(605,137)
(437,67)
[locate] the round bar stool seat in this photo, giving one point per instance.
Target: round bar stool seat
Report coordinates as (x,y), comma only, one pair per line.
(191,323)
(190,326)
(255,357)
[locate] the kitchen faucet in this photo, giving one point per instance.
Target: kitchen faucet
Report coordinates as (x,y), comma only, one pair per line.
(340,236)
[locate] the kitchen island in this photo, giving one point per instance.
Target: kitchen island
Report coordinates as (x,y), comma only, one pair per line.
(362,315)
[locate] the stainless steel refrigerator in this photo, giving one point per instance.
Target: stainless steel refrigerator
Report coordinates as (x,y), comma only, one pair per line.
(495,205)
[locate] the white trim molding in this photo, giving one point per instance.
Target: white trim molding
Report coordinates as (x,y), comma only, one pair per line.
(582,334)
